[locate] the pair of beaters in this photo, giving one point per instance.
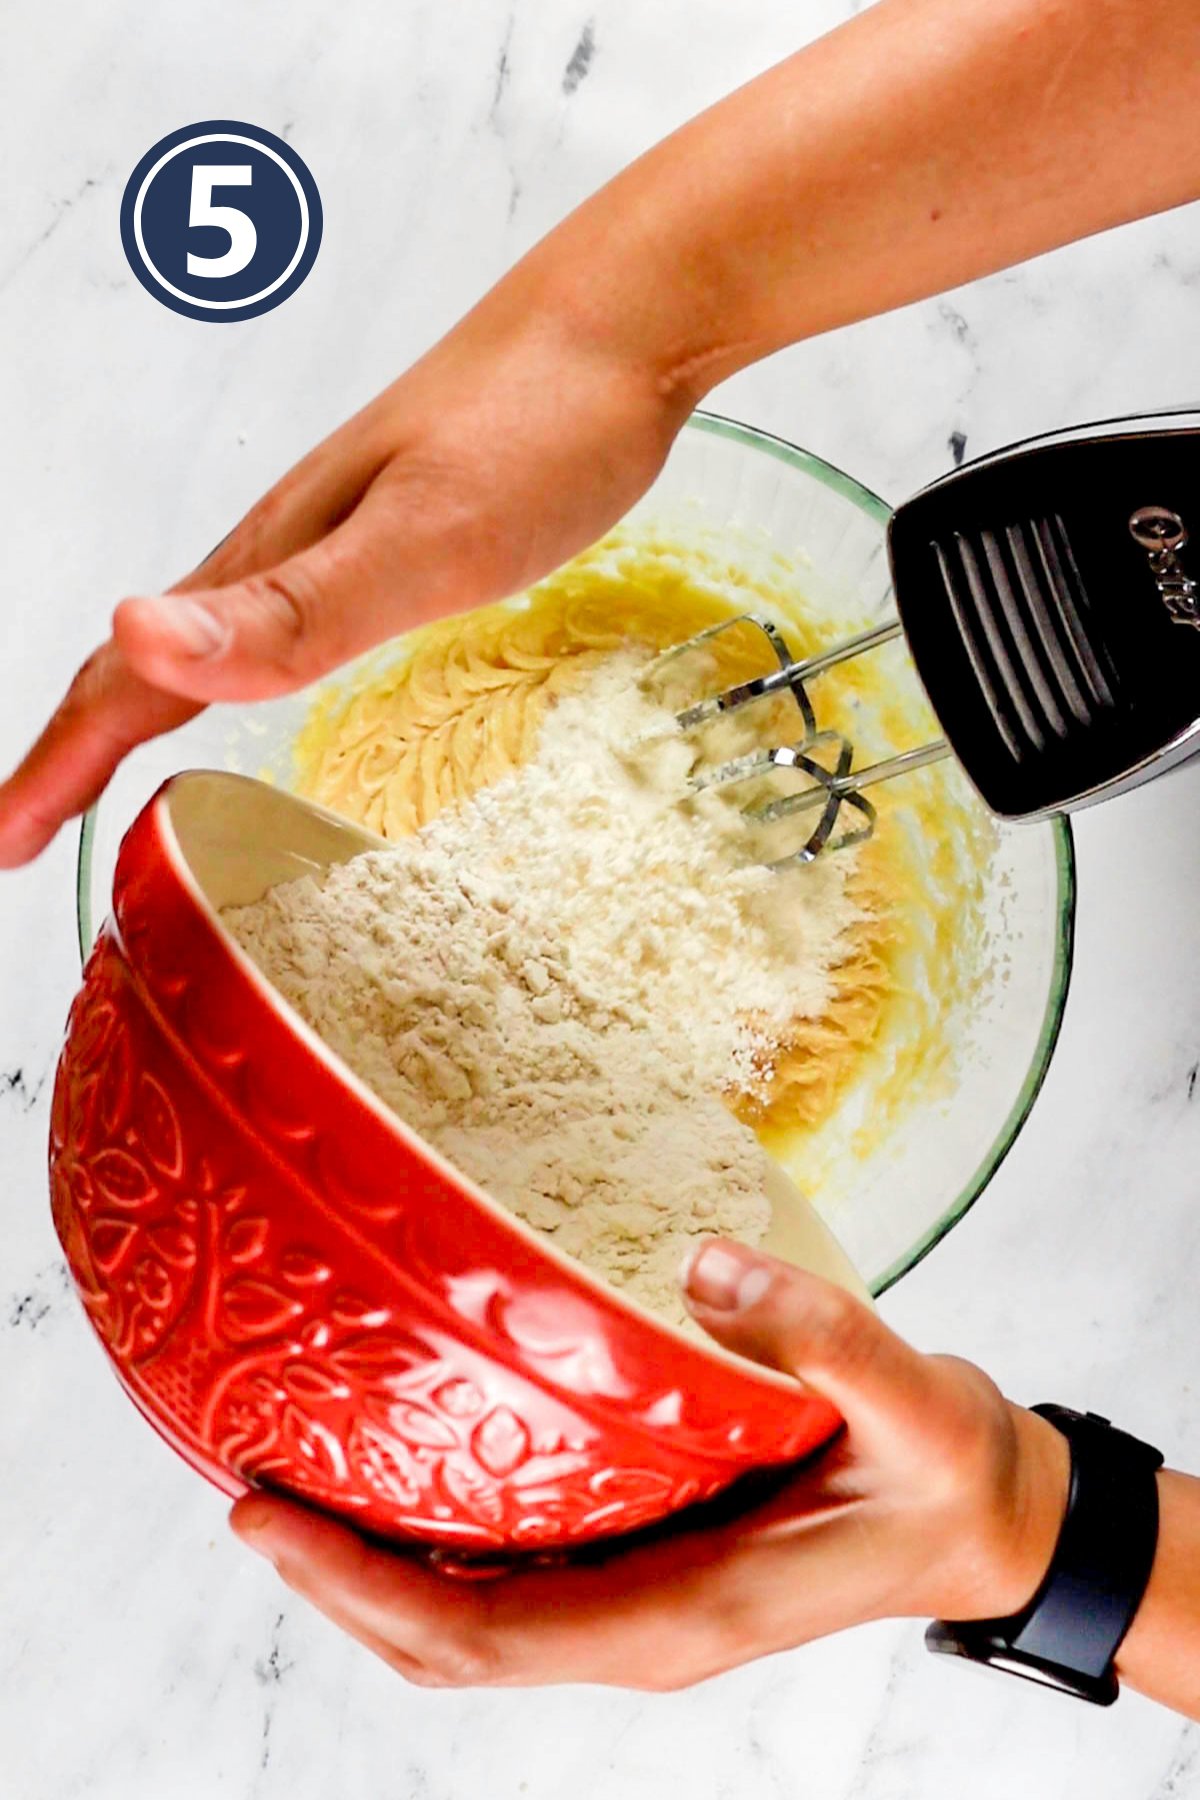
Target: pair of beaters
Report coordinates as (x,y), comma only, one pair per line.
(1048,599)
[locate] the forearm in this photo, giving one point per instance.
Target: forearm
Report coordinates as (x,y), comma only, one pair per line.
(925,143)
(1161,1653)
(922,144)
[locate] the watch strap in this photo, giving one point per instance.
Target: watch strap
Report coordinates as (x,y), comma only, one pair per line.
(1069,1632)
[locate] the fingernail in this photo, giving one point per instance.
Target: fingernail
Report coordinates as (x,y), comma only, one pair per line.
(196,631)
(725,1280)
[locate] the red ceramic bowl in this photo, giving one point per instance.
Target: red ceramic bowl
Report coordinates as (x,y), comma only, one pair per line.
(297,1291)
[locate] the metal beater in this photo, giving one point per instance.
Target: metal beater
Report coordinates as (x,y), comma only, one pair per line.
(1040,592)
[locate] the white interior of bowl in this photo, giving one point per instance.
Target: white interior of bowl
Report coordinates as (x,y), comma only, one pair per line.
(768,500)
(240,838)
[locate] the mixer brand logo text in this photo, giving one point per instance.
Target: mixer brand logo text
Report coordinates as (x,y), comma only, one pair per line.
(1162,534)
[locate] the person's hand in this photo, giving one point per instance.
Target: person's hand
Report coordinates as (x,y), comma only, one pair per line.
(940,1498)
(901,155)
(515,442)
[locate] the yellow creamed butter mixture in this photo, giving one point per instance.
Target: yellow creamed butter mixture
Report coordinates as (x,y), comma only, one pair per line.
(456,705)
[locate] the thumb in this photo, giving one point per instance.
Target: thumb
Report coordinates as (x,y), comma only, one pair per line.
(276,629)
(827,1338)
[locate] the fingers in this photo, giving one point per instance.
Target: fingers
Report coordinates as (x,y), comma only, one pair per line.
(107,710)
(283,626)
(807,1327)
(343,1575)
(310,500)
(429,1627)
(649,1618)
(112,705)
(266,635)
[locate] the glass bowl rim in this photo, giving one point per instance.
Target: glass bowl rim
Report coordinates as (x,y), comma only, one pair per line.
(848,488)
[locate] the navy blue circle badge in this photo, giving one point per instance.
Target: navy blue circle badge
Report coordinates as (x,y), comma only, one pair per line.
(221,221)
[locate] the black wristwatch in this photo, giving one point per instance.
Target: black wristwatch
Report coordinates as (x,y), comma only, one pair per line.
(1069,1633)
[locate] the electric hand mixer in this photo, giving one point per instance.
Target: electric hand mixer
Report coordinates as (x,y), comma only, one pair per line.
(1047,600)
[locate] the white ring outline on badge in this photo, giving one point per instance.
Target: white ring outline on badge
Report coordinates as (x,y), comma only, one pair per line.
(220,137)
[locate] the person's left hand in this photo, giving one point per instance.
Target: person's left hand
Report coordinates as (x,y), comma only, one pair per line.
(939,1498)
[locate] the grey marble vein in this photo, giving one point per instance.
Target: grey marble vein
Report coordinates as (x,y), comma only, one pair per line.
(60,212)
(1181,1778)
(503,69)
(580,60)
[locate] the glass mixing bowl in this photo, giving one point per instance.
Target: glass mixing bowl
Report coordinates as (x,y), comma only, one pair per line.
(889,1193)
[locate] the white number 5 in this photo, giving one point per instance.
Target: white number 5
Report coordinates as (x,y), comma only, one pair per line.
(243,239)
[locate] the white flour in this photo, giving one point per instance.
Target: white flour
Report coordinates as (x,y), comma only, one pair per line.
(556,983)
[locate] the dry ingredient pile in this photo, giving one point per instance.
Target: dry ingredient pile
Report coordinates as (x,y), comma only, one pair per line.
(566,981)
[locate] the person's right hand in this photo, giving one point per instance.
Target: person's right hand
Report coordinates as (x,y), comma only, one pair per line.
(514,443)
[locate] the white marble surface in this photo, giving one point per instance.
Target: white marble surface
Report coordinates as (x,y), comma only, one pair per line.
(144,1654)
